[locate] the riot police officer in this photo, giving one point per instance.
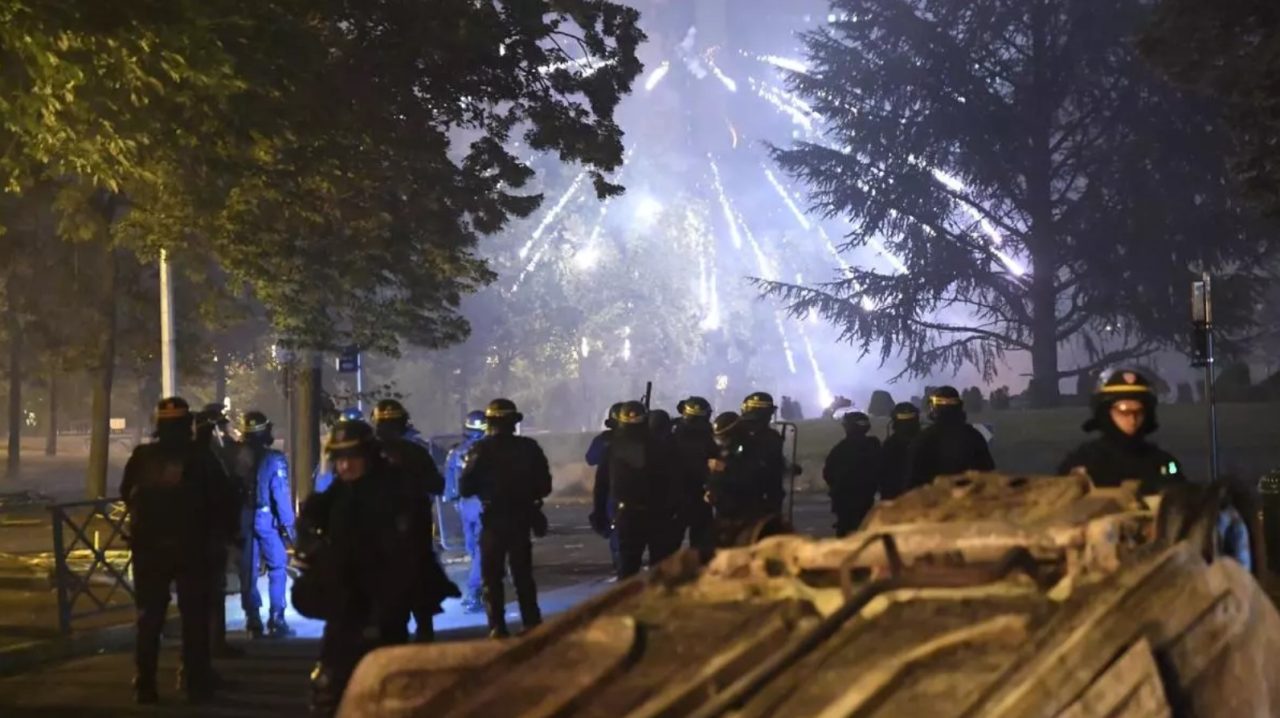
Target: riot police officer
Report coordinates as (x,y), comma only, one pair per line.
(469,509)
(600,519)
(405,448)
(179,511)
(852,472)
(763,450)
(949,445)
(268,524)
(211,431)
(324,472)
(637,495)
(1124,411)
(904,426)
(511,477)
(600,442)
(364,562)
(694,445)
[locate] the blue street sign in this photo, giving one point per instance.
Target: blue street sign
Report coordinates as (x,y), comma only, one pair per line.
(349,361)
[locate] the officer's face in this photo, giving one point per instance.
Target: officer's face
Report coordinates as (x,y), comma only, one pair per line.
(349,468)
(1128,416)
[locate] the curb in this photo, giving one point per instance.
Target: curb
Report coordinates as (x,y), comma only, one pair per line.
(22,657)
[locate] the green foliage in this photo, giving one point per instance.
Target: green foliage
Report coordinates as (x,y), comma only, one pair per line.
(1103,183)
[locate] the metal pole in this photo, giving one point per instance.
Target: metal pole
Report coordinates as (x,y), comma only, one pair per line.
(1208,378)
(168,372)
(360,381)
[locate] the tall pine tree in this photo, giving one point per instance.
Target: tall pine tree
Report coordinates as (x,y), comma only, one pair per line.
(1042,187)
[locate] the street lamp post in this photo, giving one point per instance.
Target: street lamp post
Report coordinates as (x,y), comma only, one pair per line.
(168,371)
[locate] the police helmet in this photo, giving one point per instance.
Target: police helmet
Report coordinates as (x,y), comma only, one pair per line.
(389,410)
(905,416)
(1123,385)
(254,422)
(349,438)
(214,413)
(945,399)
(632,413)
(173,409)
(502,412)
(725,423)
(351,413)
(474,421)
(695,406)
(856,419)
(758,405)
(611,421)
(906,411)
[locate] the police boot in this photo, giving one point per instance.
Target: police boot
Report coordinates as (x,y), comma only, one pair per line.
(473,603)
(144,691)
(253,624)
(278,628)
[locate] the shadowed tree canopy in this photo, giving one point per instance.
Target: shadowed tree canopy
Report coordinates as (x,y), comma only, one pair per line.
(375,142)
(1041,186)
(1230,51)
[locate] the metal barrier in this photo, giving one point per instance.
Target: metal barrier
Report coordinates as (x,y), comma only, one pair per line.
(75,578)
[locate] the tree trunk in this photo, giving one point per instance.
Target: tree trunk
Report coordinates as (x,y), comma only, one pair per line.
(1044,342)
(51,425)
(103,377)
(16,418)
(305,438)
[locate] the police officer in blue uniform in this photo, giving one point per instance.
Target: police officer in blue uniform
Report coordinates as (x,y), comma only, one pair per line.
(470,510)
(268,524)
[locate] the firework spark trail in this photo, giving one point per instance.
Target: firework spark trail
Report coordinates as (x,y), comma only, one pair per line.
(785,63)
(799,111)
(786,197)
(997,240)
(552,214)
(724,79)
(657,75)
(724,206)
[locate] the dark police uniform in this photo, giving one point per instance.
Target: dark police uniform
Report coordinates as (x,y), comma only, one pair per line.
(949,445)
(694,446)
(1115,456)
(852,472)
(366,565)
(510,476)
(179,510)
(637,497)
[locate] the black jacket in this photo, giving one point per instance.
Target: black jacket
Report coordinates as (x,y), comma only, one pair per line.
(638,470)
(367,548)
(852,472)
(750,487)
(178,496)
(508,473)
(947,446)
(694,445)
(1113,458)
(895,455)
